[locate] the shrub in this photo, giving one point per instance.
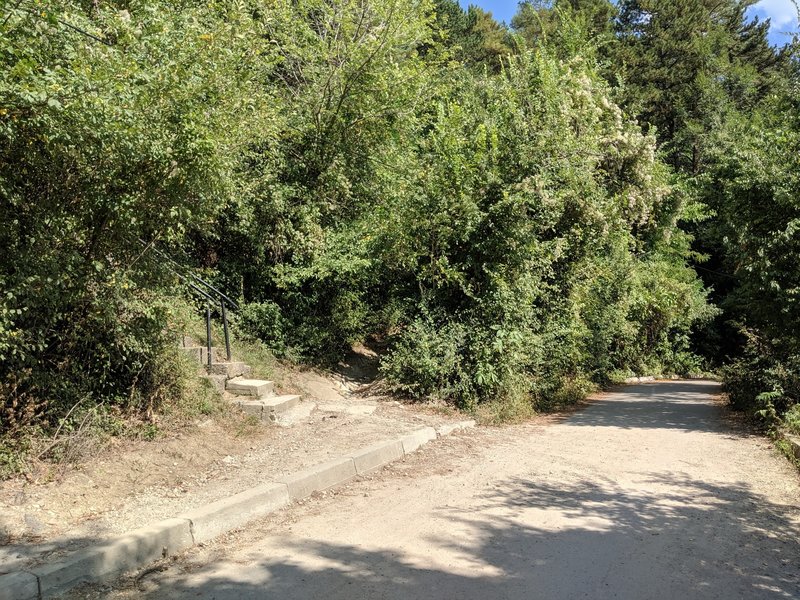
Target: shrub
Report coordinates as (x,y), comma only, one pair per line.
(264,321)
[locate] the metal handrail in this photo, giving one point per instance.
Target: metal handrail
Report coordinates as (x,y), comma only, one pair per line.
(193,276)
(211,294)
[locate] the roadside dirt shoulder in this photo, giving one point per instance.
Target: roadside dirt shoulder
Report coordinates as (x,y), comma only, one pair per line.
(129,484)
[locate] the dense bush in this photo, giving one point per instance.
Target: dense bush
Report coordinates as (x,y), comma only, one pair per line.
(531,181)
(116,123)
(475,233)
(405,170)
(756,189)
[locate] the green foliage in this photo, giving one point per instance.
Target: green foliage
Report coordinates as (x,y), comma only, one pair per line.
(755,187)
(472,35)
(687,65)
(117,122)
(540,21)
(724,106)
(428,361)
(406,170)
(264,321)
(792,419)
(525,185)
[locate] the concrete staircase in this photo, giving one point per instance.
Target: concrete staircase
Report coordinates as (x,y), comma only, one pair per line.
(254,397)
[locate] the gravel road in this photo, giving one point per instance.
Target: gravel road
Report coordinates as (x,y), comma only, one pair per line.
(648,493)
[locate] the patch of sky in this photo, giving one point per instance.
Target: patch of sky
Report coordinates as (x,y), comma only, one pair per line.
(782,14)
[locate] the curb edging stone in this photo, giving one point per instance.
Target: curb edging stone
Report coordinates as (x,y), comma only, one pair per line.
(219,517)
(19,584)
(794,444)
(124,553)
(419,438)
(374,457)
(319,477)
(140,547)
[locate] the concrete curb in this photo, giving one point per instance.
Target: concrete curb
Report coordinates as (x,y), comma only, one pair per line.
(794,444)
(21,584)
(319,477)
(374,457)
(223,515)
(125,553)
(640,379)
(137,549)
(419,438)
(650,378)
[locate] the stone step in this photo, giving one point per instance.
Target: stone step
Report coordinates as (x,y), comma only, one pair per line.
(230,369)
(255,388)
(217,382)
(268,410)
(279,404)
(300,412)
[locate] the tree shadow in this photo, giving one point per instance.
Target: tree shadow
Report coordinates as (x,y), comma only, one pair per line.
(684,405)
(684,538)
(361,364)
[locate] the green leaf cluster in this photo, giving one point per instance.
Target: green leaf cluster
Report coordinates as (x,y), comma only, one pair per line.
(482,203)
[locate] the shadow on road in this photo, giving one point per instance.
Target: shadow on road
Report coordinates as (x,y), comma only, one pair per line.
(655,535)
(691,539)
(685,405)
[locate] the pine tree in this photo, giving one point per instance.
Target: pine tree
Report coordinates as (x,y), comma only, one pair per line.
(687,63)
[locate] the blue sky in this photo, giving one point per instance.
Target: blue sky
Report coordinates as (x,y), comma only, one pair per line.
(782,13)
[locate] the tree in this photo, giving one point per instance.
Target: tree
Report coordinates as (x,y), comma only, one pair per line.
(687,64)
(536,19)
(473,34)
(755,186)
(115,125)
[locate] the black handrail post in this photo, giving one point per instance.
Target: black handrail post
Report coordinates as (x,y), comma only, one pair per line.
(225,328)
(208,334)
(211,294)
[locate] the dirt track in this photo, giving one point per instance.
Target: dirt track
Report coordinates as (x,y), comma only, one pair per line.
(648,493)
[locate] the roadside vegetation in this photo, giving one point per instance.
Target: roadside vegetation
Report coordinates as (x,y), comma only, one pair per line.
(517,213)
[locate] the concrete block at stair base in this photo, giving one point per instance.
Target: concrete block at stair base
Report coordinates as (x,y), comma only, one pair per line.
(794,443)
(318,478)
(217,382)
(227,514)
(414,440)
(195,354)
(294,415)
(279,404)
(19,586)
(217,355)
(231,369)
(123,554)
(200,354)
(257,388)
(253,408)
(449,428)
(377,456)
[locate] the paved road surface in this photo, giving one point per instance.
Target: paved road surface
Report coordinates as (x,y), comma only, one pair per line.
(649,493)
